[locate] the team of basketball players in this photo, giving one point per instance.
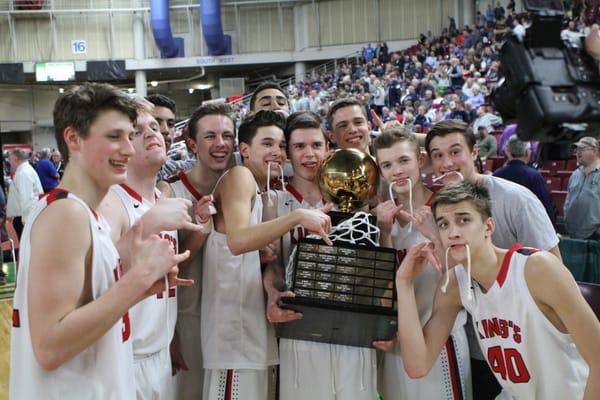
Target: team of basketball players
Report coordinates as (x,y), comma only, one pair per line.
(124,281)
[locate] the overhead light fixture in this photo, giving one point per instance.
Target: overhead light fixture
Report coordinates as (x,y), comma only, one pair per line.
(154,83)
(61,90)
(130,90)
(191,90)
(204,86)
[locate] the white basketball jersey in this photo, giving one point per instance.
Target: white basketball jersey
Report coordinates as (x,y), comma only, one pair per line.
(235,331)
(288,201)
(449,378)
(188,298)
(531,359)
(153,325)
(102,371)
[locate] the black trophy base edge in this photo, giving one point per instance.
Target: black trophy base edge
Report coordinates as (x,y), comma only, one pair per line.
(335,326)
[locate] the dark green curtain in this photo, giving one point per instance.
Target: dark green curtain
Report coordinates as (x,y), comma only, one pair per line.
(582,257)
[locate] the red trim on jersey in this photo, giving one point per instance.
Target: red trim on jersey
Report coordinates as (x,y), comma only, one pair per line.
(55,194)
(453,369)
(506,263)
(16,319)
(292,190)
(188,185)
(136,196)
(229,385)
(429,201)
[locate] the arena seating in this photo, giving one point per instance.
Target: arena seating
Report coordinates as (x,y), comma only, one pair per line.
(591,293)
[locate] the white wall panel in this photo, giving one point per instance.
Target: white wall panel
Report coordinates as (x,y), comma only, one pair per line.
(256,28)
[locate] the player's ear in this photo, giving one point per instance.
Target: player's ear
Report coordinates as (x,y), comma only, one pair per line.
(330,136)
(72,138)
(191,145)
(490,227)
(244,150)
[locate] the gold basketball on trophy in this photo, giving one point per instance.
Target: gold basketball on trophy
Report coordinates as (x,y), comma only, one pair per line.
(348,179)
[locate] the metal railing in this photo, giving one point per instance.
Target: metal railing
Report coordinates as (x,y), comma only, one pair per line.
(319,70)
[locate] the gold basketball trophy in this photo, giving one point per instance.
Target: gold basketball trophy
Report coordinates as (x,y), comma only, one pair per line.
(345,291)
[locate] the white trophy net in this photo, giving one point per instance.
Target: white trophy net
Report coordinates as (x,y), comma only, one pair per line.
(357,229)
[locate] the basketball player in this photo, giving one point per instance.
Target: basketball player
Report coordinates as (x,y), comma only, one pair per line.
(153,324)
(71,329)
(211,130)
(533,325)
(400,162)
(269,97)
(238,343)
(349,128)
(311,369)
(520,216)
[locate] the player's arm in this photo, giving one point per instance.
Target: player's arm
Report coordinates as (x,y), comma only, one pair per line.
(552,285)
(421,347)
(64,318)
(273,279)
(235,196)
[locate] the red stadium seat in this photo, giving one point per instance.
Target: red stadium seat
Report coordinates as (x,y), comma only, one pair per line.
(564,175)
(554,165)
(571,165)
(498,162)
(488,165)
(554,183)
(591,293)
(545,173)
(558,200)
(497,135)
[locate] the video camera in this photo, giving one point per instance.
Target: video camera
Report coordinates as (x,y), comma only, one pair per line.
(551,87)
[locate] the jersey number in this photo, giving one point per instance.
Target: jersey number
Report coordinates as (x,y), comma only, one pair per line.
(508,363)
(126,331)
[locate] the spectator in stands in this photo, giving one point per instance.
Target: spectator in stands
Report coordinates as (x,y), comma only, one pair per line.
(582,205)
(487,146)
(476,99)
(368,53)
(421,118)
(571,34)
(58,163)
(46,171)
(456,74)
(499,11)
(24,190)
(457,112)
(471,112)
(489,14)
(517,170)
(509,131)
(486,118)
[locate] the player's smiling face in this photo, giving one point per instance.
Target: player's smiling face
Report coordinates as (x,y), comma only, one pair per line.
(215,138)
(105,152)
(450,153)
(350,129)
(148,143)
(266,151)
(307,150)
(398,164)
